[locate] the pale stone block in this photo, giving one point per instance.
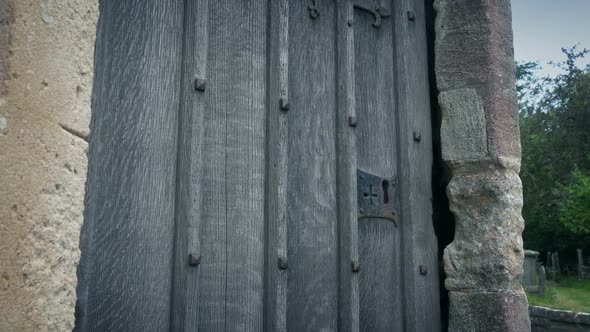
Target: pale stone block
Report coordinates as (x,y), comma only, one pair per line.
(46,66)
(463,126)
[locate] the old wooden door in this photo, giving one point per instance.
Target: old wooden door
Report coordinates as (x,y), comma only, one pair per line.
(259,165)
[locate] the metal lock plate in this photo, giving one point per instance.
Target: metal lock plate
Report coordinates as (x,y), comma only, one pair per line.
(377,196)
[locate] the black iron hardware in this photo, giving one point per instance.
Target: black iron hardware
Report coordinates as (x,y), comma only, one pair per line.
(194,260)
(423,270)
(374,7)
(312,9)
(282,263)
(200,84)
(417,136)
(284,104)
(377,197)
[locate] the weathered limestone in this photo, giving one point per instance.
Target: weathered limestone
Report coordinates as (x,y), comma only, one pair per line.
(46,56)
(475,75)
(465,126)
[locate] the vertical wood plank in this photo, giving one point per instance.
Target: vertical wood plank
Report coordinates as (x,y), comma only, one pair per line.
(246,168)
(283,29)
(313,242)
(379,240)
(346,166)
(125,272)
(189,191)
(421,293)
(380,276)
(232,236)
(277,166)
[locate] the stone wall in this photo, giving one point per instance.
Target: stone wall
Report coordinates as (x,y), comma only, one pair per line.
(46,57)
(475,74)
(552,320)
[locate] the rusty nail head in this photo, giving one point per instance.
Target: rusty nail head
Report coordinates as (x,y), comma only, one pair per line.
(417,136)
(355,266)
(314,13)
(194,260)
(200,84)
(284,103)
(423,270)
(282,261)
(411,15)
(352,121)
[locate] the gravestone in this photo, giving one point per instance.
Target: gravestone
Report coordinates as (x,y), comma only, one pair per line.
(555,266)
(530,271)
(581,269)
(542,279)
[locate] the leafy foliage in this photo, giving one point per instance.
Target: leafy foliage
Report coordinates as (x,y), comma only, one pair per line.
(555,135)
(575,210)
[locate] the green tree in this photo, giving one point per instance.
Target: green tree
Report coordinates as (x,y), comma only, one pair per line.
(575,209)
(555,136)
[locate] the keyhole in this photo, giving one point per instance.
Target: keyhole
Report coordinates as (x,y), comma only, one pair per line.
(385,185)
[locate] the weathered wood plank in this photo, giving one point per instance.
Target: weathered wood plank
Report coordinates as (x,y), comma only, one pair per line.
(380,276)
(125,273)
(213,233)
(232,237)
(189,191)
(313,242)
(421,294)
(346,167)
(246,165)
(277,166)
(379,240)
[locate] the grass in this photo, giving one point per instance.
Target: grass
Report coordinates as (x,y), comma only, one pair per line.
(568,294)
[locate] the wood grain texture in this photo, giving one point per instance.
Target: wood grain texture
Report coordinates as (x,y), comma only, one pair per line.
(312,302)
(346,168)
(277,167)
(379,240)
(189,171)
(381,305)
(229,175)
(421,294)
(125,272)
(281,14)
(232,236)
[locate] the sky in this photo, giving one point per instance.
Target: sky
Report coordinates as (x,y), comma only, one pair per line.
(543,27)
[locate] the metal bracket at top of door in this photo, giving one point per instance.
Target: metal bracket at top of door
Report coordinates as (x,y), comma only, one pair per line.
(377,196)
(374,7)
